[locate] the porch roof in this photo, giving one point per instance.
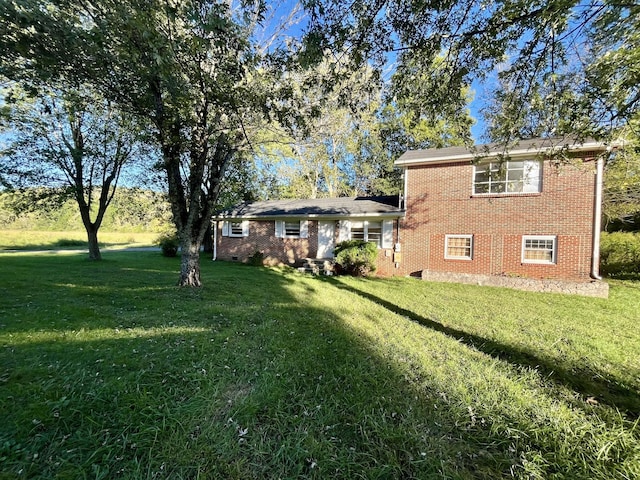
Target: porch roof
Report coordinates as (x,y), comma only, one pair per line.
(344,207)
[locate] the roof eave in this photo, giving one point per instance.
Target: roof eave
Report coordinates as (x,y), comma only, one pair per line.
(469,157)
(312,216)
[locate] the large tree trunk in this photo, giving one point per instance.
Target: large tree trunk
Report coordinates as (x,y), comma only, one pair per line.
(91,228)
(190,262)
(94,248)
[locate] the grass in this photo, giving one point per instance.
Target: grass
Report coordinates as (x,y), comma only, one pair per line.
(110,371)
(51,240)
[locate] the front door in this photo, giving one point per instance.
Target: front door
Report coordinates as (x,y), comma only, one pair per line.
(326,241)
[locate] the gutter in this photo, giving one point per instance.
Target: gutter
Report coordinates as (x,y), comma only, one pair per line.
(403,205)
(597,220)
(517,153)
(314,216)
(215,241)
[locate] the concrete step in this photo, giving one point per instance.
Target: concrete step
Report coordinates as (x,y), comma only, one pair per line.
(317,266)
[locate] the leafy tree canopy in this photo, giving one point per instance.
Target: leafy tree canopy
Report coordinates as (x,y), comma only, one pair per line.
(537,48)
(72,142)
(190,69)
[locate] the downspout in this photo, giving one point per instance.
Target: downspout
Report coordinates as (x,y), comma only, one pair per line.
(404,188)
(402,205)
(597,220)
(215,241)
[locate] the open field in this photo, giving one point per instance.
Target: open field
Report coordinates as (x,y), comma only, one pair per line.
(51,240)
(107,370)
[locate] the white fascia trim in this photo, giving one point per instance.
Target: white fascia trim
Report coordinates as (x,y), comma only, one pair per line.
(468,157)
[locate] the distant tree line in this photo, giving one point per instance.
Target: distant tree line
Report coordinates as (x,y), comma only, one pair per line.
(131,210)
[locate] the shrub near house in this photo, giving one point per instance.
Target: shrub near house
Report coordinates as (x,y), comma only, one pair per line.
(356,257)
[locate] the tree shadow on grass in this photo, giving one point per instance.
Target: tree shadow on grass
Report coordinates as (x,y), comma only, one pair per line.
(252,383)
(243,378)
(587,383)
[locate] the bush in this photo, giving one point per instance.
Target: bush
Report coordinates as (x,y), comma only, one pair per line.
(620,253)
(356,257)
(168,243)
(257,259)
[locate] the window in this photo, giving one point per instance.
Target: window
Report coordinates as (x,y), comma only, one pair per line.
(235,228)
(378,232)
(358,231)
(367,231)
(374,232)
(458,247)
(292,229)
(507,177)
(538,249)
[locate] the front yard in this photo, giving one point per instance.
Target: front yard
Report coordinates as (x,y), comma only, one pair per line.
(107,370)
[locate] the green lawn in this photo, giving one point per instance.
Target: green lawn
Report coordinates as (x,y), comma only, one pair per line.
(52,240)
(107,370)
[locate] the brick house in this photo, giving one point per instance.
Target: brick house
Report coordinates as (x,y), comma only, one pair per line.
(291,231)
(471,215)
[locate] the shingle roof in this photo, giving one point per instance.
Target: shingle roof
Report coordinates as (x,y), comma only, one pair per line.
(521,147)
(317,208)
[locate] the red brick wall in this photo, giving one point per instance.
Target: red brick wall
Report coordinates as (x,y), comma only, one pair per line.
(440,202)
(385,265)
(288,251)
(262,238)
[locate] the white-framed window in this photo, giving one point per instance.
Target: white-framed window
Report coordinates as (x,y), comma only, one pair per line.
(458,247)
(358,231)
(539,249)
(504,177)
(235,228)
(369,231)
(292,228)
(378,231)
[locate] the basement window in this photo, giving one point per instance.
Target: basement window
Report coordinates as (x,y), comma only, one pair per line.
(539,249)
(458,247)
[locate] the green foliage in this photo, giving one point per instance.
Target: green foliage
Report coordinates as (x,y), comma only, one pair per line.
(328,152)
(169,244)
(356,257)
(575,61)
(131,210)
(73,143)
(257,259)
(620,253)
(621,202)
(191,72)
(52,240)
(355,126)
